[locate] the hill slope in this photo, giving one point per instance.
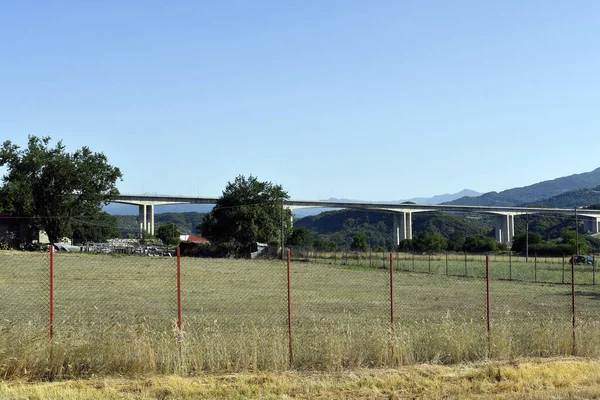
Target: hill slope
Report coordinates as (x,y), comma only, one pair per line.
(571,199)
(342,225)
(533,193)
(187,222)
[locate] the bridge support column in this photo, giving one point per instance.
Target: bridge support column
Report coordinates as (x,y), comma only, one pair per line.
(505,228)
(402,227)
(142,218)
(591,225)
(146,218)
(150,213)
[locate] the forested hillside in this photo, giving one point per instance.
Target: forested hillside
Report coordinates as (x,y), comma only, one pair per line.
(572,199)
(187,222)
(341,226)
(534,193)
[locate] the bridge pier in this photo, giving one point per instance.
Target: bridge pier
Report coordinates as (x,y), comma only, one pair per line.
(505,228)
(591,224)
(146,218)
(402,227)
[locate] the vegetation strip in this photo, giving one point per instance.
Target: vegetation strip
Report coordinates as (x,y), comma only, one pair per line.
(535,379)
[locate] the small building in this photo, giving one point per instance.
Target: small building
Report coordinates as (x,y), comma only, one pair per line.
(193,239)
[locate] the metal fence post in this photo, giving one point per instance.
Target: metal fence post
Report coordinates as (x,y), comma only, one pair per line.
(446,263)
(593,269)
(563,269)
(429,262)
(510,265)
(465,263)
(179,324)
(535,268)
(392,291)
(487,280)
(289,304)
(51,305)
(573,350)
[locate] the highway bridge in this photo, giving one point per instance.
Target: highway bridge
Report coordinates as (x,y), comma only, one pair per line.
(505,216)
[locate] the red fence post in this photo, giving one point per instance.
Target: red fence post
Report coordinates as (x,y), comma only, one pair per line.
(487,280)
(392,327)
(392,291)
(289,300)
(573,302)
(51,291)
(179,293)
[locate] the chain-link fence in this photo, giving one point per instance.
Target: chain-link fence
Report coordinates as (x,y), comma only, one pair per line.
(315,310)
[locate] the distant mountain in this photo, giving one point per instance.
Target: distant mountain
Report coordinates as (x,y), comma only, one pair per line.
(571,199)
(128,209)
(442,198)
(533,193)
(438,199)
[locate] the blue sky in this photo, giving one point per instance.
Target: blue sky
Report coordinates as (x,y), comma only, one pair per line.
(368,100)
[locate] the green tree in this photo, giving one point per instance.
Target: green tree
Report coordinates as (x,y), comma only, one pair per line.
(359,242)
(169,234)
(406,245)
(99,228)
(301,237)
(480,244)
(325,244)
(456,241)
(570,237)
(248,211)
(427,241)
(519,242)
(51,186)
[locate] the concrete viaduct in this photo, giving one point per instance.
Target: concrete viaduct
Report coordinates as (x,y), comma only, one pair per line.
(505,216)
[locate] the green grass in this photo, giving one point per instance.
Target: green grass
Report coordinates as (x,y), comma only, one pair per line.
(118,314)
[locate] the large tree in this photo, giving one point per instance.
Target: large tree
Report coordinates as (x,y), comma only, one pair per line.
(51,186)
(359,242)
(169,234)
(301,237)
(248,211)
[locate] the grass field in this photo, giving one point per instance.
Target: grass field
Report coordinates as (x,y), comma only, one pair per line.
(567,378)
(118,314)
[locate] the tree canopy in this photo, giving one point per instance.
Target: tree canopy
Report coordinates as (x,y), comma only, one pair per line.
(248,211)
(428,241)
(359,242)
(301,237)
(169,234)
(51,186)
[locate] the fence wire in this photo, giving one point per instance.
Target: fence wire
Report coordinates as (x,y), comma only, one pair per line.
(341,310)
(347,308)
(24,294)
(104,291)
(235,312)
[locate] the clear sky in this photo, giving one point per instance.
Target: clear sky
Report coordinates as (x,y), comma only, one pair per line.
(368,100)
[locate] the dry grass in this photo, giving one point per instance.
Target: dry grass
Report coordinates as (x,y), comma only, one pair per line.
(519,379)
(117,315)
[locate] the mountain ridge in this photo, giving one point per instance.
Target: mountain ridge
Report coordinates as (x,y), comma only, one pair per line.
(533,193)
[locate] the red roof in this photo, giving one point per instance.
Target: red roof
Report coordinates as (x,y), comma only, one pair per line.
(196,239)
